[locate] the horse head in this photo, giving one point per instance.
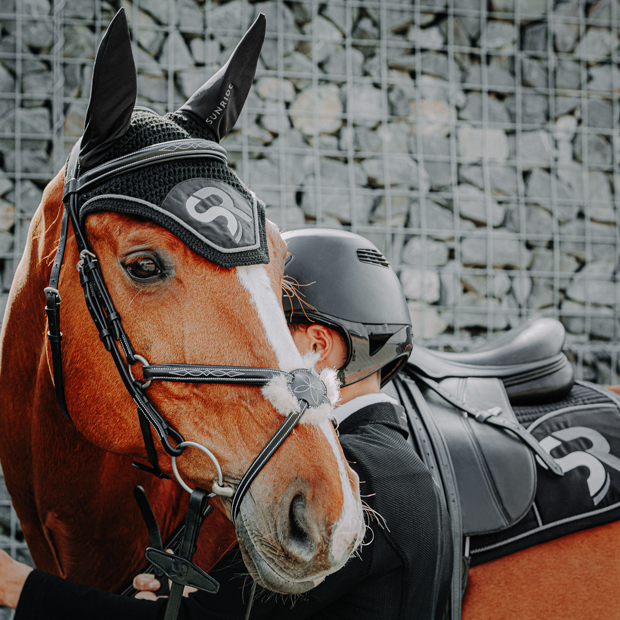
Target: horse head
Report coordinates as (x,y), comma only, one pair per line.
(194,270)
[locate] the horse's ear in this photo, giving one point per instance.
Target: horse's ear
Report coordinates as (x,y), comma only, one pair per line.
(217,104)
(112,94)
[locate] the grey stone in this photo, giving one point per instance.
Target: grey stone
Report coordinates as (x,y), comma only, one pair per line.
(275,118)
(152,85)
(573,240)
(474,311)
(600,113)
(82,9)
(147,34)
(451,288)
(602,10)
(602,321)
(205,52)
(470,24)
(420,284)
(474,110)
(28,200)
(439,222)
(393,137)
(35,161)
(7,216)
(365,104)
(503,179)
(235,15)
(190,16)
(539,190)
(496,76)
(544,261)
(527,8)
(159,9)
(535,149)
(474,205)
(424,253)
(288,218)
(31,120)
(299,64)
(475,143)
(37,88)
(326,38)
(604,78)
(80,42)
(6,184)
(534,72)
(542,295)
(565,105)
(317,110)
(174,53)
(534,108)
(337,13)
(594,284)
(496,286)
(595,45)
(436,89)
(565,26)
(598,150)
(430,117)
(437,160)
(264,177)
(535,38)
(435,63)
(336,63)
(538,224)
(190,80)
(275,89)
(396,215)
(6,242)
(7,81)
(398,59)
(498,34)
(600,203)
(401,169)
(365,29)
(257,135)
(568,75)
(426,38)
(425,320)
(521,288)
(360,139)
(338,198)
(508,251)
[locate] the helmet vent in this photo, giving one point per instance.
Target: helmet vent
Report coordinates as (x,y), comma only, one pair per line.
(374,257)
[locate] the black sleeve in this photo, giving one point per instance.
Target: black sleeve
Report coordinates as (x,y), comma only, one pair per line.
(48,597)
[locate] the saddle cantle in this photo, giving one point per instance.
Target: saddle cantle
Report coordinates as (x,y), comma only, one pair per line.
(528,360)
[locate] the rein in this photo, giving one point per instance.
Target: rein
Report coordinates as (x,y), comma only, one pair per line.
(304,384)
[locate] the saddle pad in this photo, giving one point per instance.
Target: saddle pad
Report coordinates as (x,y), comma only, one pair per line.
(582,432)
(494,470)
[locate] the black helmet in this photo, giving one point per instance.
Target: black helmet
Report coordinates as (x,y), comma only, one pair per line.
(348,285)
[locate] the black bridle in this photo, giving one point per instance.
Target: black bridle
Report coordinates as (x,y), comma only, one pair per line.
(304,384)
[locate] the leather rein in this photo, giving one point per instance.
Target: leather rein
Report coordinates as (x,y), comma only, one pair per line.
(303,383)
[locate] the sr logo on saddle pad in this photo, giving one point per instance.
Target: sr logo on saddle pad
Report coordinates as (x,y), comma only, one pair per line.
(215,212)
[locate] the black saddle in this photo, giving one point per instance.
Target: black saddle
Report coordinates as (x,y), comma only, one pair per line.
(528,360)
(461,423)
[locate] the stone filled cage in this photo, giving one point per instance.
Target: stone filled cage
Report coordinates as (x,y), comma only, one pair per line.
(475,143)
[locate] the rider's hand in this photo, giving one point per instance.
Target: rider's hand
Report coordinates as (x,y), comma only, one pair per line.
(13,575)
(147,585)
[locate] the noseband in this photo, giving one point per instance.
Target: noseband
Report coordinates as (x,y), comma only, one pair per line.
(304,384)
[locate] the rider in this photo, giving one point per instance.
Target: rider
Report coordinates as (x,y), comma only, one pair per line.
(350,309)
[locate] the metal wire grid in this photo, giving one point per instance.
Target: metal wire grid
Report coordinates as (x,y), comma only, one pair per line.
(389,230)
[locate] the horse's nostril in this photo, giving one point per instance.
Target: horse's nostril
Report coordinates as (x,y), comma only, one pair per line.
(299,541)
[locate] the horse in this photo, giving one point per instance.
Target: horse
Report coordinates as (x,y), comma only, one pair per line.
(70,477)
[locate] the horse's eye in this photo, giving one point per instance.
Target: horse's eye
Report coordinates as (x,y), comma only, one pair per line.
(142,268)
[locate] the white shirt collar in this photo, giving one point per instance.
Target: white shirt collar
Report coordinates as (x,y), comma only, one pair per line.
(342,412)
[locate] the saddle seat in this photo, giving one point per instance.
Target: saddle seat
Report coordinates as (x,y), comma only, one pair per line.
(528,360)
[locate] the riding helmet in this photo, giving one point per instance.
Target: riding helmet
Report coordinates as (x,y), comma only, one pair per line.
(343,281)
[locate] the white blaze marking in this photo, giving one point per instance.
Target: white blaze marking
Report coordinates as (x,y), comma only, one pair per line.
(255,280)
(349,527)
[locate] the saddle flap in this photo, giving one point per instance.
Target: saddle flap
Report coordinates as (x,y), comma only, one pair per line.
(495,471)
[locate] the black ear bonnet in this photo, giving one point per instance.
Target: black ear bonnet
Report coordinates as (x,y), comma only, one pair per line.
(200,200)
(164,194)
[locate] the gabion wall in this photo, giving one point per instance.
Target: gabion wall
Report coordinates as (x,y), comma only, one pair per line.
(475,143)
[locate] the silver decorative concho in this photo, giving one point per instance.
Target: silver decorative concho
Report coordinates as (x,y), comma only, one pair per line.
(306,385)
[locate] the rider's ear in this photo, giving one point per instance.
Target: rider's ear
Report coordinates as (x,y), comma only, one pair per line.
(112,94)
(217,104)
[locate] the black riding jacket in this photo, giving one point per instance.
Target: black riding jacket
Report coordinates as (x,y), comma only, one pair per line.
(404,573)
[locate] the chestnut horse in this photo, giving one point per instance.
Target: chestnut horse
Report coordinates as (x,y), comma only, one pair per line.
(71,481)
